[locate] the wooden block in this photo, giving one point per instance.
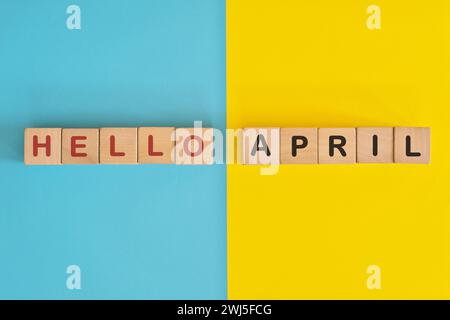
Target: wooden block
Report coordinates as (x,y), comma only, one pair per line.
(411,145)
(298,145)
(261,146)
(375,145)
(194,146)
(337,145)
(156,145)
(42,146)
(118,145)
(80,146)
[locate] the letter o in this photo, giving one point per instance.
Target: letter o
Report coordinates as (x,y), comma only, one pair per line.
(199,142)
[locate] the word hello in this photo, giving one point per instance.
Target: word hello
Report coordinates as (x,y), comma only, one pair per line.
(268,146)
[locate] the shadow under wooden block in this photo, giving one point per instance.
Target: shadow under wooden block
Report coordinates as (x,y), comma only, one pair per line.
(337,145)
(118,145)
(194,146)
(261,146)
(298,145)
(375,145)
(80,146)
(156,145)
(412,145)
(42,146)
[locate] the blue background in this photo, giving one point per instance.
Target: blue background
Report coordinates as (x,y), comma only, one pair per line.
(145,231)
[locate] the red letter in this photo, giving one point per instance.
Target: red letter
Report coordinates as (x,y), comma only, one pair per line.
(112,148)
(200,144)
(150,148)
(74,145)
(45,145)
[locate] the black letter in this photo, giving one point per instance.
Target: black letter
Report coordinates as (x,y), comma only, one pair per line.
(296,146)
(339,146)
(375,145)
(264,147)
(409,153)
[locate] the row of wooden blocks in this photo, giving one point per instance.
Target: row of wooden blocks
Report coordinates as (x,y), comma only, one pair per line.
(53,146)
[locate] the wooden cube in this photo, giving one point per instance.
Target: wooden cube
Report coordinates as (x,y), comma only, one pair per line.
(42,146)
(411,145)
(261,146)
(298,145)
(194,146)
(118,145)
(80,146)
(337,145)
(375,145)
(156,145)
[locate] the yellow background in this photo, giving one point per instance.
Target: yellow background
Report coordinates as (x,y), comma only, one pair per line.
(310,231)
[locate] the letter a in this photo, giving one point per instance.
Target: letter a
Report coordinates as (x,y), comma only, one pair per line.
(374,19)
(74,279)
(264,147)
(374,279)
(74,20)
